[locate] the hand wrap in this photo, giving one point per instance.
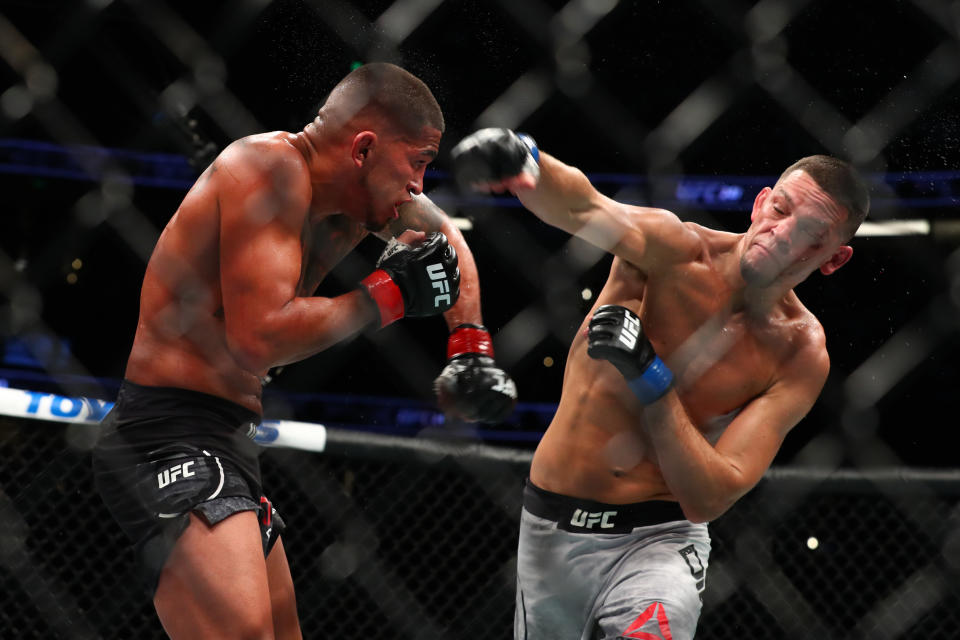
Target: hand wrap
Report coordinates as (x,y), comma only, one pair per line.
(472,387)
(414,281)
(615,334)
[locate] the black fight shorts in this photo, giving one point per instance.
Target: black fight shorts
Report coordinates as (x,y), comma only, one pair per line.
(164,453)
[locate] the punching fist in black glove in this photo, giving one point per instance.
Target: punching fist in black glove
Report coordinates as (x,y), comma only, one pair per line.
(616,335)
(493,157)
(414,280)
(472,387)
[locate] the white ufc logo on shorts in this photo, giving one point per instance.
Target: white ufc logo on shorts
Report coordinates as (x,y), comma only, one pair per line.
(587,520)
(630,330)
(171,474)
(439,277)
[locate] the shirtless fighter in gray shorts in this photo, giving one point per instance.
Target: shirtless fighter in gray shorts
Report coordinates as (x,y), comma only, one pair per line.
(679,388)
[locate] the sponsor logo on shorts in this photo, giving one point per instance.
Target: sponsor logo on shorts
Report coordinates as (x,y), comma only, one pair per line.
(174,473)
(266,516)
(589,519)
(695,564)
(652,624)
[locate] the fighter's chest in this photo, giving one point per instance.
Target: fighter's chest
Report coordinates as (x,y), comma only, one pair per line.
(324,244)
(720,357)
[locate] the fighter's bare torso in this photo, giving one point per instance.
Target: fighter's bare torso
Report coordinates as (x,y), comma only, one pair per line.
(722,358)
(181,338)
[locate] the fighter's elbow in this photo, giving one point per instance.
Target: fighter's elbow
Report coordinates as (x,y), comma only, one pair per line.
(252,359)
(251,350)
(709,506)
(705,511)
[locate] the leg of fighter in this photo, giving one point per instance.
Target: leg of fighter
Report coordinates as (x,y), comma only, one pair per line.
(283,600)
(215,584)
(657,589)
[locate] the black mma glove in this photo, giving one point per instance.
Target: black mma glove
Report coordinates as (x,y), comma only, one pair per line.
(615,334)
(472,387)
(414,281)
(492,155)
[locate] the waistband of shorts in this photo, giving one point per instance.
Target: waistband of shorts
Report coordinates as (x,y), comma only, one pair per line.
(136,401)
(579,515)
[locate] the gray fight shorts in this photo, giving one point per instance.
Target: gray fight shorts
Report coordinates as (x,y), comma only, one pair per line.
(591,571)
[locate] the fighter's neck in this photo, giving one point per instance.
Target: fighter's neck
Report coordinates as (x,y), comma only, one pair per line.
(331,194)
(757,302)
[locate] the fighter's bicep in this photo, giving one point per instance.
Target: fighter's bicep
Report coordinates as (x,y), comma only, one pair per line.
(262,260)
(643,236)
(261,251)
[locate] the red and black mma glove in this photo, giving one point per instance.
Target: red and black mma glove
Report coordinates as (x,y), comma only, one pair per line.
(615,334)
(414,281)
(491,155)
(472,387)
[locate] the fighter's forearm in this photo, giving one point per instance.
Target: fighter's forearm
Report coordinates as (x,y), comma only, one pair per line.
(566,199)
(467,310)
(423,215)
(704,482)
(301,328)
(562,195)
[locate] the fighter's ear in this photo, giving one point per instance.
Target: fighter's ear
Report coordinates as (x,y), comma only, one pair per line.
(758,201)
(839,258)
(363,144)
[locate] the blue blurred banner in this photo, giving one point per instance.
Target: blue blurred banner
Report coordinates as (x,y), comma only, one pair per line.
(913,190)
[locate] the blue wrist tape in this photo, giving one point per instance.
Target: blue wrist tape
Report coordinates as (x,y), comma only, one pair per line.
(655,381)
(527,140)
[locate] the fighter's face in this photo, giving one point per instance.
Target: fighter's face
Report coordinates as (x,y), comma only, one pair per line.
(795,230)
(395,172)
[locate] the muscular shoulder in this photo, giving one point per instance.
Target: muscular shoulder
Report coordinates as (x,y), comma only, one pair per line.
(713,241)
(262,178)
(666,240)
(806,345)
(266,156)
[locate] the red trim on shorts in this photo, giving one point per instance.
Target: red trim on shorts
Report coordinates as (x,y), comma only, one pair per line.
(469,340)
(267,517)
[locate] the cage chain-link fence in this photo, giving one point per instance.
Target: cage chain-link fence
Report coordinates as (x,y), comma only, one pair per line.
(422,546)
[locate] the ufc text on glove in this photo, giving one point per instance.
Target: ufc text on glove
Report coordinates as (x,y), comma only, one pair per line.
(615,334)
(414,281)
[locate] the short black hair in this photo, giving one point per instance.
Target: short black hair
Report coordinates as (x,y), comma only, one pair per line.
(389,92)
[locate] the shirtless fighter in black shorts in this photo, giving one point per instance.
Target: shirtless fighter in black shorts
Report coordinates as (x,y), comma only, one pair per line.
(227,296)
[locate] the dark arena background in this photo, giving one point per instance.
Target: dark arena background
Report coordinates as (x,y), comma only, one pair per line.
(403,524)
